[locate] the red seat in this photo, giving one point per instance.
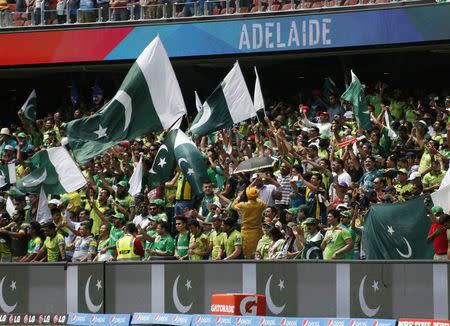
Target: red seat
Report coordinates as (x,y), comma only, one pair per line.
(287,6)
(216,11)
(11,7)
(317,4)
(351,2)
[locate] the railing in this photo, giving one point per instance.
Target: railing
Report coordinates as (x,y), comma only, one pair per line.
(163,9)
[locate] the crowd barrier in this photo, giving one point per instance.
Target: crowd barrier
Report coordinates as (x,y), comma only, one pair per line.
(292,288)
(80,319)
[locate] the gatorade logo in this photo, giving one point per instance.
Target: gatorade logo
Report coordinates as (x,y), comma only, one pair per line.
(248,306)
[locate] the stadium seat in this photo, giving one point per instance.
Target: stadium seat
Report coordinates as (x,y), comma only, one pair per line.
(216,11)
(351,2)
(287,6)
(317,4)
(12,7)
(231,10)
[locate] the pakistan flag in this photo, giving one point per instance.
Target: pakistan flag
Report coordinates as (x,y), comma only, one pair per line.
(28,109)
(397,231)
(7,174)
(355,95)
(178,149)
(55,171)
(148,100)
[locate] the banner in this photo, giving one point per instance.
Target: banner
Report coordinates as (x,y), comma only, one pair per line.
(33,319)
(233,36)
(99,320)
(141,318)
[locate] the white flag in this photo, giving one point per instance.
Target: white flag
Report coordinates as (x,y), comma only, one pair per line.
(10,208)
(258,100)
(391,133)
(446,181)
(198,103)
(43,214)
(136,179)
(441,198)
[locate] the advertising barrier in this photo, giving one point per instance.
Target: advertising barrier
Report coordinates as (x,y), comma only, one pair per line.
(422,322)
(140,318)
(77,319)
(313,31)
(33,319)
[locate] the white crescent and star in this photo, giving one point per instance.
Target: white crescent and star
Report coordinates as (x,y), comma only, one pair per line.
(162,147)
(101,132)
(3,305)
(310,250)
(176,300)
(408,254)
(276,310)
(35,182)
(125,100)
(369,312)
(90,305)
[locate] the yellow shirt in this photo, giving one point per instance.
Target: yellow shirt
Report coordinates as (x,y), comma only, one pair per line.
(202,246)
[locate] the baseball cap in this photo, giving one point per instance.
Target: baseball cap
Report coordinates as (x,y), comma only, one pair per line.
(122,183)
(155,218)
(21,135)
(54,201)
(437,210)
(403,171)
(311,220)
(346,214)
(158,202)
(291,224)
(216,203)
(342,207)
(414,175)
(9,148)
(5,131)
(292,211)
(119,216)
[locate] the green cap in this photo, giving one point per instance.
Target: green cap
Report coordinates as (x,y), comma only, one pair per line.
(122,183)
(291,224)
(403,171)
(303,208)
(292,211)
(21,135)
(119,216)
(155,218)
(311,220)
(158,202)
(437,210)
(346,214)
(324,136)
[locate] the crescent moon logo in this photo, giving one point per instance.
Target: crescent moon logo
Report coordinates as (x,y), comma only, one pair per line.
(125,100)
(3,305)
(176,300)
(204,118)
(92,307)
(369,312)
(160,148)
(182,160)
(310,250)
(409,254)
(273,307)
(37,181)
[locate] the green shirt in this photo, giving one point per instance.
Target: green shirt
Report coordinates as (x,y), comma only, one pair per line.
(34,245)
(165,244)
(202,245)
(430,179)
(52,245)
(218,241)
(338,236)
(149,244)
(115,235)
(233,239)
(263,246)
(127,202)
(182,244)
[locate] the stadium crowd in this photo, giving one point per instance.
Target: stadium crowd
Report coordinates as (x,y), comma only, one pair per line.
(310,204)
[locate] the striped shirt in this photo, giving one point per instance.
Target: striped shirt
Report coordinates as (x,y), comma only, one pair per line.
(285,189)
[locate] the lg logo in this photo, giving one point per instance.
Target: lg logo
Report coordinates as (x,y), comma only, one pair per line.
(248,306)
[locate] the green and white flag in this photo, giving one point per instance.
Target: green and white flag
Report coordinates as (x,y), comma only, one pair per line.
(329,88)
(198,103)
(7,174)
(28,109)
(398,231)
(164,163)
(230,103)
(43,214)
(191,162)
(136,179)
(55,171)
(148,100)
(355,95)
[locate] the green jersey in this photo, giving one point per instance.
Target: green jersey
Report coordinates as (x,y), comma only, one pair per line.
(218,241)
(182,244)
(233,239)
(338,236)
(165,244)
(34,245)
(52,245)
